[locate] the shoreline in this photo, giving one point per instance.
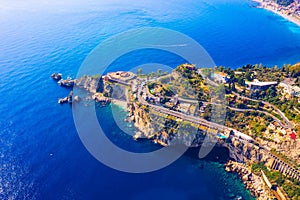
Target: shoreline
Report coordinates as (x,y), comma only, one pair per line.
(252,182)
(119,103)
(139,102)
(290,18)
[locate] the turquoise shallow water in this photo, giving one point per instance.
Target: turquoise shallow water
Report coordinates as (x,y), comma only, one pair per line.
(41,156)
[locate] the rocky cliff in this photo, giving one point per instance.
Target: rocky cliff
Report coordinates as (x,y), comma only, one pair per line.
(243,151)
(88,83)
(140,117)
(165,130)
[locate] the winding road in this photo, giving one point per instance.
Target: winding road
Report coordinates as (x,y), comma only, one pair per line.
(287,121)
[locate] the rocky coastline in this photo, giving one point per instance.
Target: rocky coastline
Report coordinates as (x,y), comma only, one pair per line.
(254,183)
(92,85)
(240,152)
(164,131)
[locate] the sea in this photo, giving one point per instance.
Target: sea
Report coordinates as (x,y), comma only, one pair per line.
(41,155)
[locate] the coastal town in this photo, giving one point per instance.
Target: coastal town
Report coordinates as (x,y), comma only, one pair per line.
(261,128)
(289,9)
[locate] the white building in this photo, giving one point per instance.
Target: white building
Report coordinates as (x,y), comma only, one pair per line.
(257,85)
(242,135)
(296,91)
(289,89)
(221,77)
(286,88)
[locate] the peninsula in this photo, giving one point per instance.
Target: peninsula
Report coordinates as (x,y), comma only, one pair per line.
(261,116)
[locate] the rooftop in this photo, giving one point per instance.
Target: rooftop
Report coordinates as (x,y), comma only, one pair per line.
(258,83)
(296,89)
(222,74)
(289,81)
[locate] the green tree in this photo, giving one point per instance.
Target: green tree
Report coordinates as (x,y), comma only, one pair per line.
(159,71)
(284,2)
(248,76)
(221,68)
(139,71)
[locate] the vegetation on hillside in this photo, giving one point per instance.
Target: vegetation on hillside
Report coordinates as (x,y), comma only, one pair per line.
(271,95)
(294,70)
(284,2)
(290,186)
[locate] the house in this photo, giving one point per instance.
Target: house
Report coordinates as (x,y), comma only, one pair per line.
(289,81)
(238,73)
(221,77)
(120,75)
(286,88)
(257,85)
(283,131)
(296,91)
(184,107)
(105,78)
(290,90)
(241,135)
(276,124)
(272,127)
(174,100)
(134,86)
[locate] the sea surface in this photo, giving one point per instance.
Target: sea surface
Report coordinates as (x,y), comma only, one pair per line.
(41,155)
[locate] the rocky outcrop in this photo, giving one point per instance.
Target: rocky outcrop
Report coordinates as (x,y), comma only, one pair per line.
(95,88)
(252,182)
(165,130)
(101,99)
(243,151)
(69,99)
(141,119)
(88,83)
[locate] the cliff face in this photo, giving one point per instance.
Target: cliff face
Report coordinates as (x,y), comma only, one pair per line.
(163,130)
(141,119)
(167,130)
(242,151)
(88,83)
(252,182)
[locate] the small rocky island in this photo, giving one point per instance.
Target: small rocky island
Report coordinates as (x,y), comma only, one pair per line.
(178,106)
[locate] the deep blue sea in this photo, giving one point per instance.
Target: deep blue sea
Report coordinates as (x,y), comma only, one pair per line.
(41,155)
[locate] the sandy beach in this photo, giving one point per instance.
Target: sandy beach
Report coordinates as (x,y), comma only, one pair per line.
(291,18)
(122,104)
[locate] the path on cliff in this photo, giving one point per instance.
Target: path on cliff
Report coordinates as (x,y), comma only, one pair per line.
(287,121)
(239,110)
(264,112)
